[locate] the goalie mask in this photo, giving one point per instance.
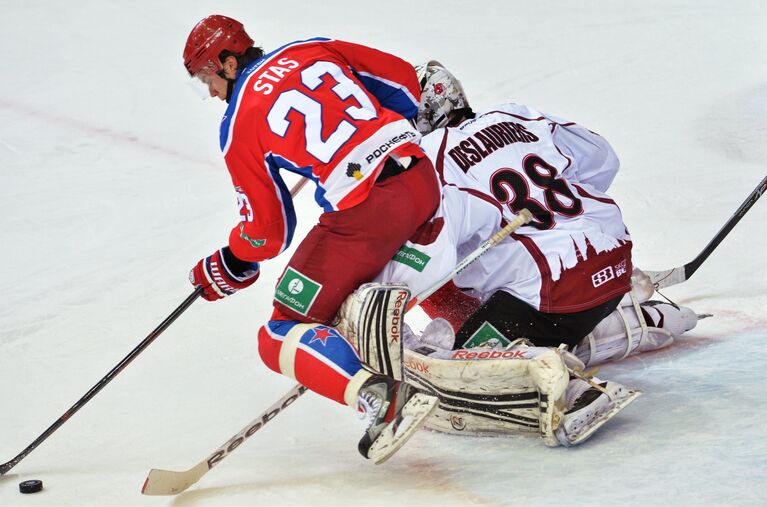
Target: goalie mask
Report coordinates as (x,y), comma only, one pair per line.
(441,97)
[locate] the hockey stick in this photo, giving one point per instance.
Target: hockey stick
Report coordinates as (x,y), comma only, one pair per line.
(104,380)
(5,467)
(522,218)
(673,276)
(168,482)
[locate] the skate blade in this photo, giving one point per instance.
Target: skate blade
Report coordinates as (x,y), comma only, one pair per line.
(603,418)
(414,414)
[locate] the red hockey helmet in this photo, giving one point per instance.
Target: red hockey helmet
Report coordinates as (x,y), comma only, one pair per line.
(209,38)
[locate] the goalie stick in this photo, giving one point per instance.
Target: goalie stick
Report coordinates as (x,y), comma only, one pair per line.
(5,467)
(673,276)
(168,482)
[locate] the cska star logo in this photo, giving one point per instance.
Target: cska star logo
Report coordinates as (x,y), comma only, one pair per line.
(322,333)
(354,170)
(439,88)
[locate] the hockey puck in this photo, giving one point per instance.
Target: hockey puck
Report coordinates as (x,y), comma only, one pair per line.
(32,486)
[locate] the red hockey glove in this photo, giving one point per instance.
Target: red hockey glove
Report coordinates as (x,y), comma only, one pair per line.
(222,274)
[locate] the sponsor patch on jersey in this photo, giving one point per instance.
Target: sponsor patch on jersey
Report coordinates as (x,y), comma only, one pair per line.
(486,336)
(354,170)
(297,291)
(255,243)
(412,257)
(603,276)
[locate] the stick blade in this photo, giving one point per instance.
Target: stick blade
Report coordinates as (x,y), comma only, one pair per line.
(667,277)
(167,482)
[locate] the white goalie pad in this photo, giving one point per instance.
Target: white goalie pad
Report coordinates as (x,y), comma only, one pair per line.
(486,391)
(371,320)
(635,328)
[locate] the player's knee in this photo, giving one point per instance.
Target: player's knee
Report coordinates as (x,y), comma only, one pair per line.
(269,348)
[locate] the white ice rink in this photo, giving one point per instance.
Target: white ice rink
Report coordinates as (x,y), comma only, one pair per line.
(112,186)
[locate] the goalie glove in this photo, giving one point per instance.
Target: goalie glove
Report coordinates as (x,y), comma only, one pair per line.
(222,274)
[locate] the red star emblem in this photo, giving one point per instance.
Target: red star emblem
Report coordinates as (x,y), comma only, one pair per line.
(321,334)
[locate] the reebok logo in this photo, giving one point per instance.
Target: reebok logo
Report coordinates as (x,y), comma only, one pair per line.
(244,435)
(489,354)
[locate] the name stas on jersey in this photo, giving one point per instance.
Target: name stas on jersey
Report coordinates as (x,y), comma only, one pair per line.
(310,99)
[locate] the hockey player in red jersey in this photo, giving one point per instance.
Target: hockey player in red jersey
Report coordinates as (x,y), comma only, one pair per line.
(336,113)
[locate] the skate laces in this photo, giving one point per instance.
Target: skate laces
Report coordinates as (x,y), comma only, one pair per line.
(585,375)
(368,407)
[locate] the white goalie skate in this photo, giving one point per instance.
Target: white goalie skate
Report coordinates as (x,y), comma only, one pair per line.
(395,410)
(589,407)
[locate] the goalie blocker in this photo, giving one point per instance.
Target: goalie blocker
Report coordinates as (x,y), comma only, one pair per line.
(481,391)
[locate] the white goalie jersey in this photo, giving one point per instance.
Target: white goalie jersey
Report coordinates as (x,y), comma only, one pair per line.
(576,253)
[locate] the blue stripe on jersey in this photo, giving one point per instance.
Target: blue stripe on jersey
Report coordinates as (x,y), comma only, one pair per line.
(395,98)
(274,164)
(277,161)
(242,77)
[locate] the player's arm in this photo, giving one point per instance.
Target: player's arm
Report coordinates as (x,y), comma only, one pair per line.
(390,79)
(267,219)
(267,223)
(594,162)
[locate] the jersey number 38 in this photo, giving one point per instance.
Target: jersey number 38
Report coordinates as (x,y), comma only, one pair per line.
(512,188)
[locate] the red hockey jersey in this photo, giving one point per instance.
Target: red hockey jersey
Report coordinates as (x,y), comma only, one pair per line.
(328,110)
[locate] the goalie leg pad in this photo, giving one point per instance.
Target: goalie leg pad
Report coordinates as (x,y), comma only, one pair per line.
(492,391)
(371,319)
(635,328)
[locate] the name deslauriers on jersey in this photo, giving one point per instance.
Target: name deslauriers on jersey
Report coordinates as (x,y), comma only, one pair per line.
(576,253)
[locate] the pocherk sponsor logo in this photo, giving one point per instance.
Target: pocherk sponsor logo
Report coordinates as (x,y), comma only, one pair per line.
(391,143)
(354,170)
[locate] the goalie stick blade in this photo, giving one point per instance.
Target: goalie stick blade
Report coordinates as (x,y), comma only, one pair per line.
(667,277)
(167,482)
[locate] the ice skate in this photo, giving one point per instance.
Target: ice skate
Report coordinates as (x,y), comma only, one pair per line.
(591,408)
(396,410)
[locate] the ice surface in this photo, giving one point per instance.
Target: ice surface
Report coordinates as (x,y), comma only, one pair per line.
(112,186)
